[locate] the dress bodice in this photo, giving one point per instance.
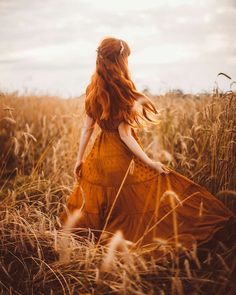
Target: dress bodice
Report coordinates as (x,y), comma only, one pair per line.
(109,125)
(106,125)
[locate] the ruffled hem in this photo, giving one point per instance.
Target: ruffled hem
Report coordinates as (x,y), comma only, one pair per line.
(132,231)
(140,206)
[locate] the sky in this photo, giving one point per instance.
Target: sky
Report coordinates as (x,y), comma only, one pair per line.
(49,47)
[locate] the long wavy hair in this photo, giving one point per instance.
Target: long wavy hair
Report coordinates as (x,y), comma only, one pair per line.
(111,94)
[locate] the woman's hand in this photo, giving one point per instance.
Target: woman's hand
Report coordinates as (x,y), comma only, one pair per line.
(159,167)
(77,170)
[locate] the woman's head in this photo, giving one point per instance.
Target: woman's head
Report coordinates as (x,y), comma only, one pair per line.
(113,50)
(111,94)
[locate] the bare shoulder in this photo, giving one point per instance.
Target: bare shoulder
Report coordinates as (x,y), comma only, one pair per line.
(89,121)
(124,128)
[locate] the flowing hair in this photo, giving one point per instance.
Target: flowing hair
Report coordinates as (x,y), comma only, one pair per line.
(111,94)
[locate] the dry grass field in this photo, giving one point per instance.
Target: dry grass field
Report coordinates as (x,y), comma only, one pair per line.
(39,137)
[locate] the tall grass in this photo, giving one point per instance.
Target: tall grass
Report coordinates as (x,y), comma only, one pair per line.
(39,141)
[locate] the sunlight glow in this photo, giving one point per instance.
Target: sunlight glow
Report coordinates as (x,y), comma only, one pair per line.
(52,47)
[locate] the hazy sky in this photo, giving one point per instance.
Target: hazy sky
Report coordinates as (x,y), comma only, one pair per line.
(50,46)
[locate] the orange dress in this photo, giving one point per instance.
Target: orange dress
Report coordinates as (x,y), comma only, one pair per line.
(117,191)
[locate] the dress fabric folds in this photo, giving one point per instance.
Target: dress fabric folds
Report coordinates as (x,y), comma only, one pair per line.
(117,191)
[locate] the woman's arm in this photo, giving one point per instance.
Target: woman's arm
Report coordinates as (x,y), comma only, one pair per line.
(85,135)
(127,137)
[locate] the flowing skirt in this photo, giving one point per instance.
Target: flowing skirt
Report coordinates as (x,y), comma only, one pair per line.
(117,191)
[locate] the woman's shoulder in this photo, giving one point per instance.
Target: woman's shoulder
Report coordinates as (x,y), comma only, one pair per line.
(88,109)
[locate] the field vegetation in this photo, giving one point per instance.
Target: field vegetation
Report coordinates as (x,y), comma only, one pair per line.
(39,137)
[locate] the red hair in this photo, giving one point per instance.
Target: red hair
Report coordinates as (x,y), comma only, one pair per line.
(111,94)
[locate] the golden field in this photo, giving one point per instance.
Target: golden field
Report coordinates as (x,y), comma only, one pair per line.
(39,136)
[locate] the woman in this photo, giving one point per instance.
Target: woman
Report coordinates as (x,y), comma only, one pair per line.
(118,186)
